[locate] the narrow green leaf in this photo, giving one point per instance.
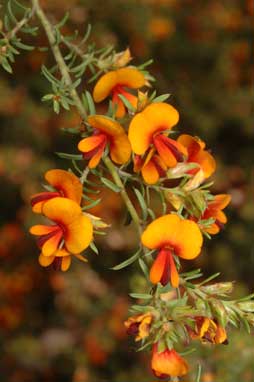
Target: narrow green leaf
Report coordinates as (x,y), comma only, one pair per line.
(87,34)
(63,21)
(5,64)
(143,296)
(151,213)
(47,97)
(91,205)
(127,103)
(10,12)
(198,378)
(145,64)
(161,98)
(142,203)
(94,248)
(112,186)
(23,46)
(144,268)
(127,262)
(56,106)
(90,103)
(209,279)
(6,23)
(69,156)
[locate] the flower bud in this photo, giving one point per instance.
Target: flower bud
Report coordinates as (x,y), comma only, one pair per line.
(122,58)
(218,288)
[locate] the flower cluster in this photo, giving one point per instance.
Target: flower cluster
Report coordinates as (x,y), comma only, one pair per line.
(134,146)
(69,232)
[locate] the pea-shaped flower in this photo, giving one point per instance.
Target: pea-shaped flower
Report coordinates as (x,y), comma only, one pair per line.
(168,363)
(70,233)
(64,184)
(171,236)
(148,135)
(196,153)
(106,132)
(118,82)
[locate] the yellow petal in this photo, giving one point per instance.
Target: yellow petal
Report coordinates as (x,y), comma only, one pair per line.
(154,118)
(212,229)
(162,115)
(104,86)
(120,108)
(94,161)
(61,210)
(45,261)
(79,234)
(39,230)
(221,201)
(91,143)
(61,253)
(106,125)
(50,246)
(182,236)
(206,162)
(130,77)
(168,362)
(140,134)
(150,173)
(120,149)
(65,264)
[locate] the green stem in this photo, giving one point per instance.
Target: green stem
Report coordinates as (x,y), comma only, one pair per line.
(123,192)
(73,93)
(58,57)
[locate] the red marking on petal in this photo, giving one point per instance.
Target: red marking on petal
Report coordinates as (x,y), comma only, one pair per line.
(171,145)
(57,263)
(161,171)
(43,196)
(101,146)
(219,224)
(166,272)
(43,238)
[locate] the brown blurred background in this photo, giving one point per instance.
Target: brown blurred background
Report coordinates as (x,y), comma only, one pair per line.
(69,327)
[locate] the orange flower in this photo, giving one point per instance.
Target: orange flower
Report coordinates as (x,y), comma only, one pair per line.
(117,82)
(71,232)
(197,154)
(208,330)
(151,166)
(65,184)
(213,210)
(171,235)
(168,363)
(148,128)
(139,325)
(107,131)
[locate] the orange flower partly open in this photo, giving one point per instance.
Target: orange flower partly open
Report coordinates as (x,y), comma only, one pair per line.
(70,233)
(208,330)
(197,154)
(171,235)
(139,325)
(147,132)
(118,82)
(64,183)
(214,210)
(106,131)
(151,166)
(168,363)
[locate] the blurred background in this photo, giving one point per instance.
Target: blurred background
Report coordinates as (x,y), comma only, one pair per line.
(69,327)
